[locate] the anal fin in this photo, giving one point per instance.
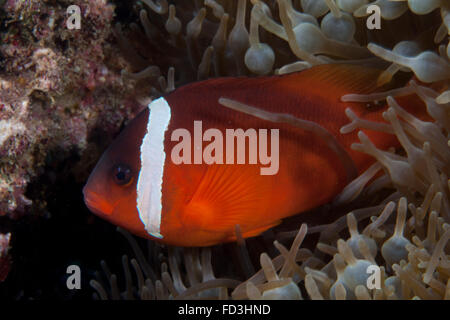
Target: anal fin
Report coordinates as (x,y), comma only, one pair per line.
(255,232)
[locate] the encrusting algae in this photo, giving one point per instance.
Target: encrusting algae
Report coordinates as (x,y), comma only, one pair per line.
(406,234)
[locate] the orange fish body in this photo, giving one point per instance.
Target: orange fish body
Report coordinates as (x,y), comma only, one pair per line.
(198,203)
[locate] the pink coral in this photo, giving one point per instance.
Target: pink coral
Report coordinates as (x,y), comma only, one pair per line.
(55,85)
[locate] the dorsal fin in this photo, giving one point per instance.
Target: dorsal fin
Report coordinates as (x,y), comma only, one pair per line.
(340,79)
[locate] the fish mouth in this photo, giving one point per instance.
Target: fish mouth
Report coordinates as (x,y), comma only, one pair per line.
(96,203)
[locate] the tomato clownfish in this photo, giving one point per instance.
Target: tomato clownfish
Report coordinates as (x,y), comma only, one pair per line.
(138,185)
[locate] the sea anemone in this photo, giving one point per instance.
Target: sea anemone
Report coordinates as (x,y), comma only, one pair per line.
(193,40)
(198,281)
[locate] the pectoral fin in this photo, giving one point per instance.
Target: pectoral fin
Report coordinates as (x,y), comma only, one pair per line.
(230,195)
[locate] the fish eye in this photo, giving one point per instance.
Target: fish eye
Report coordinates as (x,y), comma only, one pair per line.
(122,174)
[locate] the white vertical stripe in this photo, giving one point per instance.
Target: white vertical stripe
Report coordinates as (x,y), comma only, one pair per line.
(149,185)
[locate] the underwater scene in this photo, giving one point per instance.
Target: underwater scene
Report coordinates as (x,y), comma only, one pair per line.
(224,150)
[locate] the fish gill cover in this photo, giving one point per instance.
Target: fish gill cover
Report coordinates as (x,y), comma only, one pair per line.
(66,92)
